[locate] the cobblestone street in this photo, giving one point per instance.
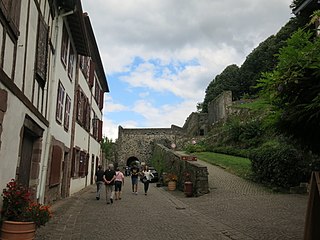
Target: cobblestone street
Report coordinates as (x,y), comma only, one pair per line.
(234,209)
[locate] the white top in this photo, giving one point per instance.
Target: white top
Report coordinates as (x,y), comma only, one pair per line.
(148,174)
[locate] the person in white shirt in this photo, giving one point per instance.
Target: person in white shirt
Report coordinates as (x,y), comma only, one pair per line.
(147,176)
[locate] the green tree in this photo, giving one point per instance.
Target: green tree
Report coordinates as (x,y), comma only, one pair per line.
(227,80)
(294,88)
(262,59)
(108,149)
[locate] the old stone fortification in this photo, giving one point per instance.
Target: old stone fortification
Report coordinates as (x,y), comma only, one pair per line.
(138,143)
(169,161)
(219,108)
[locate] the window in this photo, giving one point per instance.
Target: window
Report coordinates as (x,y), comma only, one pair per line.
(67,110)
(95,126)
(91,73)
(42,49)
(97,91)
(84,66)
(64,46)
(100,123)
(80,97)
(80,163)
(71,62)
(60,99)
(11,11)
(83,110)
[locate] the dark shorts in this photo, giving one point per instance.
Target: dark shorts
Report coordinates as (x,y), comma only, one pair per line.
(134,180)
(117,186)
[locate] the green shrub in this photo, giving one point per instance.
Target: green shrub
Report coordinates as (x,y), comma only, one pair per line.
(279,164)
(191,148)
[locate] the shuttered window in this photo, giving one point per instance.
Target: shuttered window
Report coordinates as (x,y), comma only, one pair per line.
(91,74)
(100,131)
(67,110)
(71,63)
(42,49)
(83,110)
(11,11)
(84,66)
(101,99)
(64,46)
(60,99)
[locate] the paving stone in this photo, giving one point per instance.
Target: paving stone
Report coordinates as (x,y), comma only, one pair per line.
(234,209)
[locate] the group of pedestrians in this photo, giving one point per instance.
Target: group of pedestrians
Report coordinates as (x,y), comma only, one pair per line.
(114,181)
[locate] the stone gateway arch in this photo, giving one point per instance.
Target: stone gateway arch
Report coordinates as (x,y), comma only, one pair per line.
(136,144)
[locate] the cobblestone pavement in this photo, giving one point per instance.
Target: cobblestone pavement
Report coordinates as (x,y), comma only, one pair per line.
(234,209)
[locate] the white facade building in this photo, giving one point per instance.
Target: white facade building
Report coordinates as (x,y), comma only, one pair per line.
(51,97)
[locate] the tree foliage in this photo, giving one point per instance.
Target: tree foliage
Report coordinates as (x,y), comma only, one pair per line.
(227,80)
(262,59)
(108,149)
(294,87)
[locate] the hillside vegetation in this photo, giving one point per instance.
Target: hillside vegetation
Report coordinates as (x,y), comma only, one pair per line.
(278,129)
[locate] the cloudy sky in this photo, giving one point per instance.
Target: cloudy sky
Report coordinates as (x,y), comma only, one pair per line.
(160,55)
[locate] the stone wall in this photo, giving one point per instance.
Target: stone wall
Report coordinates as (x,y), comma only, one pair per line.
(166,161)
(196,124)
(139,142)
(218,108)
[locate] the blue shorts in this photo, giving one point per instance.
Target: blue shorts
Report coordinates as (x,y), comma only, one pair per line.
(134,180)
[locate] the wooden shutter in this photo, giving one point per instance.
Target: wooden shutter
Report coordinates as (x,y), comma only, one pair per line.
(87,163)
(42,49)
(55,169)
(91,73)
(99,130)
(73,162)
(101,99)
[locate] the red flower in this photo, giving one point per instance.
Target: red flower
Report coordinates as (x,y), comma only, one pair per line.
(18,206)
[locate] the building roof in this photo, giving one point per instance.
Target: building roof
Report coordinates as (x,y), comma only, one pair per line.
(307,4)
(95,54)
(78,29)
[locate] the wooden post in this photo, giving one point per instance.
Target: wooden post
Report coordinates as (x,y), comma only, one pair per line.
(312,229)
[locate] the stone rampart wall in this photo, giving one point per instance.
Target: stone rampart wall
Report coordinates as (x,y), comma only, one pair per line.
(169,161)
(218,108)
(196,124)
(139,143)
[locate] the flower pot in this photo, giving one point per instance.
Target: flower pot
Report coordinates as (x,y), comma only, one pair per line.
(172,185)
(12,230)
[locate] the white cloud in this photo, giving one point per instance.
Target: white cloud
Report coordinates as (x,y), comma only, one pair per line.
(166,115)
(214,33)
(110,106)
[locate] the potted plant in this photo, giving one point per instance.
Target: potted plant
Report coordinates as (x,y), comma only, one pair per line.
(171,179)
(20,211)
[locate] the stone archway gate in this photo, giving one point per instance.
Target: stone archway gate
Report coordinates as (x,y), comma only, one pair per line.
(139,142)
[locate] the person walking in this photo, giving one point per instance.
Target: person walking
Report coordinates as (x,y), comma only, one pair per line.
(109,177)
(134,178)
(147,176)
(99,180)
(118,183)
